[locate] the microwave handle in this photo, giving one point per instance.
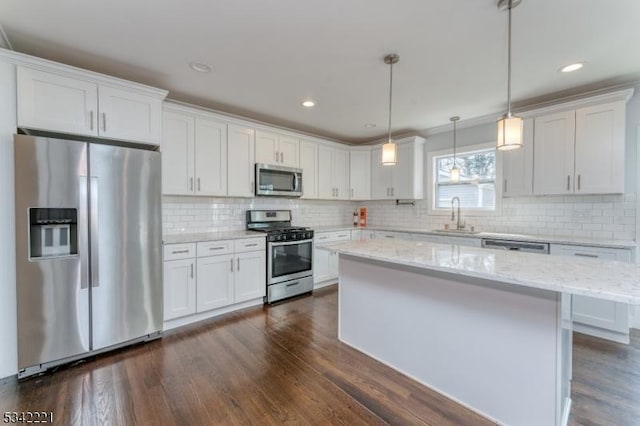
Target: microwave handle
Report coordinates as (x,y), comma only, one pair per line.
(295,182)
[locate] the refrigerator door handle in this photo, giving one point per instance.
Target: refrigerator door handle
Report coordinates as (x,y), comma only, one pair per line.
(93,210)
(83,243)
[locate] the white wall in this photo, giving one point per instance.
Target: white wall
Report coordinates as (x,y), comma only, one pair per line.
(8,325)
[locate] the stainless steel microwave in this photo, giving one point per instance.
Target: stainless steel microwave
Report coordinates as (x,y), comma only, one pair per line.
(278,180)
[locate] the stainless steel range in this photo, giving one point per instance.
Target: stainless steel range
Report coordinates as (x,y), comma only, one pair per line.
(289,253)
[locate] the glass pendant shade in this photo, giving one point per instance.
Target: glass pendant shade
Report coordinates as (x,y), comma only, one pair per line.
(389,153)
(454,174)
(509,133)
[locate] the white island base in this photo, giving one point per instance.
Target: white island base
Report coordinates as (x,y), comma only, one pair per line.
(502,350)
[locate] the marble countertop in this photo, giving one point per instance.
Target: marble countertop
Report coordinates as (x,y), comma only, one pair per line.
(209,236)
(518,237)
(603,279)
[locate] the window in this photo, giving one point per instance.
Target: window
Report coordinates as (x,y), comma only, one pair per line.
(477,185)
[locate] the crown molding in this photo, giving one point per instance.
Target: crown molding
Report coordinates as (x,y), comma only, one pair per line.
(45,65)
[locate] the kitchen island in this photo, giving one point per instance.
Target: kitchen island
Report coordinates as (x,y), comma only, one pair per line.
(489,329)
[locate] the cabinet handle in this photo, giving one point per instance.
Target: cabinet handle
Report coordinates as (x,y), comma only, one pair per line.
(238,268)
(104,121)
(190,184)
(595,256)
(393,190)
(231,264)
(389,236)
(351,192)
(251,187)
(282,157)
(251,245)
(505,186)
(388,193)
(578,182)
(337,192)
(179,251)
(198,184)
(215,248)
(192,270)
(276,155)
(568,182)
(91,119)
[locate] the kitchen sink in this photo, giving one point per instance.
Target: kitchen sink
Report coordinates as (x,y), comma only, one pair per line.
(455,231)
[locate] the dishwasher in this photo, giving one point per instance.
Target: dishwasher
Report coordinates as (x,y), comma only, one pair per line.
(523,246)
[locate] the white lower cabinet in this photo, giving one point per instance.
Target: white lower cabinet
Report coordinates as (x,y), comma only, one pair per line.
(215,275)
(325,263)
(596,317)
(179,288)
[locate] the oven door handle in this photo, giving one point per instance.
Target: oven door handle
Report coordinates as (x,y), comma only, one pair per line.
(289,243)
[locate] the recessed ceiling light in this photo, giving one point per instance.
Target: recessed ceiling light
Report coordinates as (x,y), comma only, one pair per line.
(308,104)
(369,125)
(572,67)
(200,67)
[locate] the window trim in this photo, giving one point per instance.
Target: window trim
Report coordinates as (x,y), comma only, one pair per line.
(468,212)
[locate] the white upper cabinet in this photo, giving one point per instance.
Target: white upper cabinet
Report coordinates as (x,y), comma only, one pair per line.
(405,180)
(599,157)
(85,106)
(333,173)
(210,157)
(580,151)
(360,174)
(53,102)
(272,148)
(127,115)
(178,151)
(517,166)
(309,166)
(554,153)
(194,155)
(241,161)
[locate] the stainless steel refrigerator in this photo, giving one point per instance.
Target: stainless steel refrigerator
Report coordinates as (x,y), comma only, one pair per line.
(88,249)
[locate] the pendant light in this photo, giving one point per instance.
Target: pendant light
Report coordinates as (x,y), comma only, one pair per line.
(390,149)
(454,173)
(509,126)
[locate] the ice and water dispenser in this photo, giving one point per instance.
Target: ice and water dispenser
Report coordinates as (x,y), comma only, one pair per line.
(53,232)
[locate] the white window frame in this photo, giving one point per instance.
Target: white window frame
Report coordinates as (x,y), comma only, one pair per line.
(465,211)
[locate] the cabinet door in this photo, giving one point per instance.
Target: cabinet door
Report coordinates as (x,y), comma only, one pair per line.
(334,265)
(251,275)
(600,144)
(128,115)
(179,288)
(177,148)
(402,173)
(289,148)
(56,103)
(340,173)
(600,318)
(380,177)
(326,189)
(554,153)
(241,163)
(360,175)
(309,166)
(210,157)
(215,282)
(321,265)
(267,148)
(517,165)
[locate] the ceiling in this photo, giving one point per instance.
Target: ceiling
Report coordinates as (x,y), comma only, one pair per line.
(269,55)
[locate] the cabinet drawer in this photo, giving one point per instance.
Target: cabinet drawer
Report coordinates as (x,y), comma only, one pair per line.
(340,235)
(212,248)
(179,251)
(250,244)
(604,253)
(322,237)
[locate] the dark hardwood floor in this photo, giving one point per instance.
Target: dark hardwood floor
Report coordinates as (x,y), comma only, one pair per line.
(284,364)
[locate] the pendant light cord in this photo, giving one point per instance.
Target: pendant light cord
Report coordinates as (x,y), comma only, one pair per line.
(454,143)
(390,97)
(509,65)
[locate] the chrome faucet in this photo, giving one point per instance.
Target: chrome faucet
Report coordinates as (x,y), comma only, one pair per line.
(459,226)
